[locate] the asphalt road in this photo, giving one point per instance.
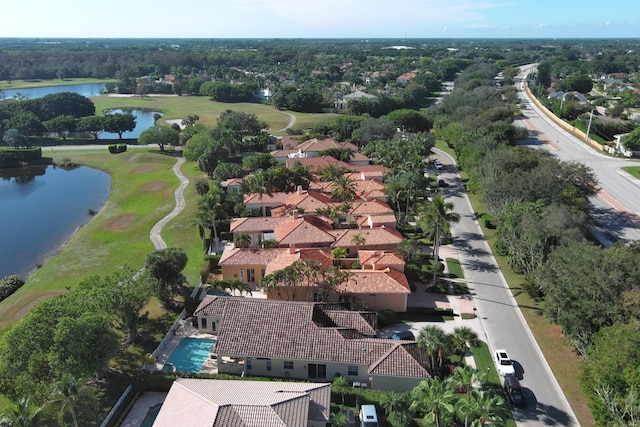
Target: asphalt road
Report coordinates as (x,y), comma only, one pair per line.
(616,209)
(501,318)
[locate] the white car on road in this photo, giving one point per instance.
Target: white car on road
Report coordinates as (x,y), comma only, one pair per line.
(504,363)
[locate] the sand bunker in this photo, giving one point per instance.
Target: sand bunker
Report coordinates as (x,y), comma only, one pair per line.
(121,222)
(153,186)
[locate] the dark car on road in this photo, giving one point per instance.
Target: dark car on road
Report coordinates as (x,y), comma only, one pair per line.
(513,390)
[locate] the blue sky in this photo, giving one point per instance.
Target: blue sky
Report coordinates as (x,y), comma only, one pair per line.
(321,18)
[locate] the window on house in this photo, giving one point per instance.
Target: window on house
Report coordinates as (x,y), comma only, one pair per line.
(262,273)
(268,364)
(288,364)
(251,275)
(317,297)
(248,364)
(352,370)
(241,275)
(316,370)
(203,322)
(213,326)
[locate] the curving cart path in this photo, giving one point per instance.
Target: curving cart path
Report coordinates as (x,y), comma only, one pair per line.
(154,235)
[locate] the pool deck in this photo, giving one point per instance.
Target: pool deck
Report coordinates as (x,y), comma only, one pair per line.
(146,401)
(184,330)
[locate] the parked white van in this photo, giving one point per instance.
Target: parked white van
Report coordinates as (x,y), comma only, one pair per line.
(368,416)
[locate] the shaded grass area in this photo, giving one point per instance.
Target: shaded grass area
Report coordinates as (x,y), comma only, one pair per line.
(453,265)
(633,170)
(178,107)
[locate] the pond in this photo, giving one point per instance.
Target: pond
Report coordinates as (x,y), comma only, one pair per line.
(144,120)
(88,89)
(40,208)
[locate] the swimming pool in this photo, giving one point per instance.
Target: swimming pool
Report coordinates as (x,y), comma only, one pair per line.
(190,354)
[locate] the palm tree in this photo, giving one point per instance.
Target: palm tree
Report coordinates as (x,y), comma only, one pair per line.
(67,392)
(488,407)
(435,218)
(434,341)
(241,287)
(342,189)
(358,240)
(331,172)
(209,209)
(393,401)
(463,377)
(337,254)
(22,414)
(243,240)
(394,187)
(462,338)
(431,397)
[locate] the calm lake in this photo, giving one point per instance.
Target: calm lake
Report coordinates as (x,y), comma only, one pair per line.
(89,89)
(40,208)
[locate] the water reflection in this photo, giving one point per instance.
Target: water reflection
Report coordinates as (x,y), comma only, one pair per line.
(40,208)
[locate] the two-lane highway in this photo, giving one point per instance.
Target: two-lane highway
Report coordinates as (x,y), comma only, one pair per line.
(501,317)
(616,208)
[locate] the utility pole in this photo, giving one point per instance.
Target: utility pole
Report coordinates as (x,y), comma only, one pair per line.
(589,127)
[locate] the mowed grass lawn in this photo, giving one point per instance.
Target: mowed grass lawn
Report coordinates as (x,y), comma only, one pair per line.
(178,107)
(21,84)
(142,193)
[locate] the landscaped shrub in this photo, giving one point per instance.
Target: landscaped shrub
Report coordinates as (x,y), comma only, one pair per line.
(117,148)
(387,317)
(487,221)
(10,284)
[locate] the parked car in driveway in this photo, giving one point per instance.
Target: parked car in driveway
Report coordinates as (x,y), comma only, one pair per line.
(513,390)
(438,164)
(504,364)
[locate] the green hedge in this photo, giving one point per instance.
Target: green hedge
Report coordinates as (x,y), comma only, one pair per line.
(117,148)
(12,156)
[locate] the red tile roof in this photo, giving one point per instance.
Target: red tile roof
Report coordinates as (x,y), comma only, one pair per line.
(249,256)
(323,256)
(387,281)
(305,231)
(252,327)
(372,207)
(372,237)
(315,163)
(254,225)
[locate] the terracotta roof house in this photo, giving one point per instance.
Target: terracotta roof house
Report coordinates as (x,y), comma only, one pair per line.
(220,403)
(282,155)
(313,146)
(257,228)
(308,231)
(369,189)
(286,258)
(310,341)
(265,202)
(378,289)
(406,78)
(307,201)
(370,207)
(382,238)
(315,163)
(247,264)
(291,142)
(380,283)
(232,185)
(376,221)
